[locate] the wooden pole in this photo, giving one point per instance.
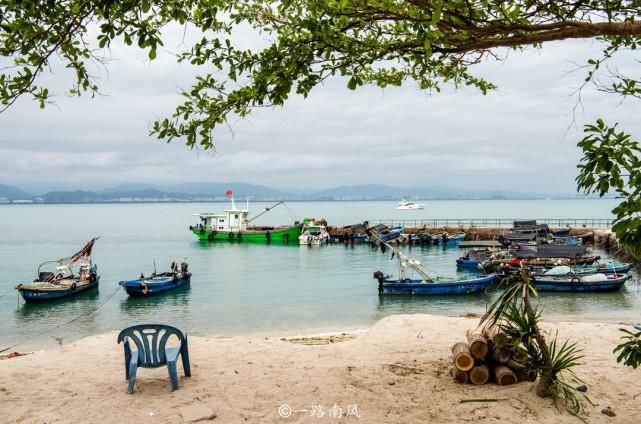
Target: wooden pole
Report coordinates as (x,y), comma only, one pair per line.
(462,358)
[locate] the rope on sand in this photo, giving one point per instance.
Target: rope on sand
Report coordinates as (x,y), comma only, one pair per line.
(84,314)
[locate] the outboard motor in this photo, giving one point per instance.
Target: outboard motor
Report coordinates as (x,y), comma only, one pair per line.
(379,275)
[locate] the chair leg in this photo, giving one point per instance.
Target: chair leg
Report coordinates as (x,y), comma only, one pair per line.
(132,377)
(173,374)
(184,354)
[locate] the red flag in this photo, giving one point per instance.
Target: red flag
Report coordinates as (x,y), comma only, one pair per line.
(228,193)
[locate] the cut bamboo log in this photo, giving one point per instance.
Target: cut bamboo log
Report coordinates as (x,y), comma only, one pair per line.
(516,366)
(478,344)
(500,355)
(520,355)
(525,375)
(462,358)
(504,376)
(459,376)
(480,374)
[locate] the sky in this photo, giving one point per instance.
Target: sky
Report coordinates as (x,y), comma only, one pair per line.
(521,137)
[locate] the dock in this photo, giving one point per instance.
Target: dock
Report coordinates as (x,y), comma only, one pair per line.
(478,243)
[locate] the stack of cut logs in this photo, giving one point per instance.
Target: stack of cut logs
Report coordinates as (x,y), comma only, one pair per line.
(489,355)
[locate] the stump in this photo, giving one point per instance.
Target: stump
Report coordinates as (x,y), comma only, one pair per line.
(478,344)
(480,374)
(459,376)
(462,358)
(504,376)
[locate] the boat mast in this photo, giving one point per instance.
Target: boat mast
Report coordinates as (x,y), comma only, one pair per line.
(266,210)
(403,260)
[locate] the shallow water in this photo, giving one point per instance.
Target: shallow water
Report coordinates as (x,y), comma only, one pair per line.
(245,288)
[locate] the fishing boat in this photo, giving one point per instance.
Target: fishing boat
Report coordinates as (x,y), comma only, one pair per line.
(313,232)
(63,278)
(425,284)
(233,225)
(158,283)
(404,205)
(447,239)
(473,258)
(589,283)
(434,286)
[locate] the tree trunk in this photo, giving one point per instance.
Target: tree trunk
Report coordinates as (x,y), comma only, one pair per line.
(478,344)
(480,374)
(462,358)
(504,376)
(543,387)
(459,376)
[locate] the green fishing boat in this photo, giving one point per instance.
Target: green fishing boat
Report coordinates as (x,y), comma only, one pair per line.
(233,225)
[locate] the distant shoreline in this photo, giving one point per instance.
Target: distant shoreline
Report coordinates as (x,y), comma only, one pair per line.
(112,202)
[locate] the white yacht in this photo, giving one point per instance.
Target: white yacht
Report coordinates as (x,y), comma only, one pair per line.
(408,205)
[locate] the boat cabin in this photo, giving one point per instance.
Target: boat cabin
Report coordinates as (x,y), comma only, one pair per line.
(232,220)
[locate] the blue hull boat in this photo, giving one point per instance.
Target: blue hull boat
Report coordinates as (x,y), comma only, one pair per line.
(420,287)
(467,263)
(608,268)
(609,283)
(63,278)
(155,284)
(44,295)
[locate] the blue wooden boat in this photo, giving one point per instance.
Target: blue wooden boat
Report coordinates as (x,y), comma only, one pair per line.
(434,287)
(158,283)
(608,267)
(63,278)
(562,232)
(590,284)
(446,239)
(468,263)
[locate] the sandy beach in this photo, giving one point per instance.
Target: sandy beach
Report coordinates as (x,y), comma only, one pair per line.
(395,372)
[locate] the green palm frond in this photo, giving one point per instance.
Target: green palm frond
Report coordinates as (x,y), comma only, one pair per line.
(630,349)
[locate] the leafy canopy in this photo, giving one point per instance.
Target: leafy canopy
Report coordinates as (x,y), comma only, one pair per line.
(381,42)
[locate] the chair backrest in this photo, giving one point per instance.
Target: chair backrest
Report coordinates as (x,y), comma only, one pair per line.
(151,341)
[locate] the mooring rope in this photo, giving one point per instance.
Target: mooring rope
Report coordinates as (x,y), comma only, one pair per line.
(84,314)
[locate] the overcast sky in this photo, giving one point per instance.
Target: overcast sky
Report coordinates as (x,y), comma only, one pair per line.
(520,137)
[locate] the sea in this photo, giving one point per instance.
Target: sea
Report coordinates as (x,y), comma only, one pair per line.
(252,289)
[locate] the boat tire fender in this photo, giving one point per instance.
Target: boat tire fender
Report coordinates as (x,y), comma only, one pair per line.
(73,286)
(575,280)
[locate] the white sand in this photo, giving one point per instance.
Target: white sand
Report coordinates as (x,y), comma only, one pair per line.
(396,372)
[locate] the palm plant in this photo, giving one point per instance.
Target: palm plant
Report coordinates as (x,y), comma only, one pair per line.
(630,349)
(514,314)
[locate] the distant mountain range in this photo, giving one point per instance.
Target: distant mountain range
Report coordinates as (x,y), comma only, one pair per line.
(202,192)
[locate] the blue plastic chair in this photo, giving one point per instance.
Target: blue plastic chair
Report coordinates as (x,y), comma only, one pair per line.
(152,351)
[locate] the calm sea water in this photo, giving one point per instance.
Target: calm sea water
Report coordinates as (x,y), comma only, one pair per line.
(243,288)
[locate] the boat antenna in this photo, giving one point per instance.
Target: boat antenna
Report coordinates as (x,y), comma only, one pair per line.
(267,209)
(154,266)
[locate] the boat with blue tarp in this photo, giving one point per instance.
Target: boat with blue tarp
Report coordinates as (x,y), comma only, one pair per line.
(158,283)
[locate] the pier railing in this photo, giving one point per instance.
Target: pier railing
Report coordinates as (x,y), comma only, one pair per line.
(495,222)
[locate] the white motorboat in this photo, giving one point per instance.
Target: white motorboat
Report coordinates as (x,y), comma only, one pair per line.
(313,232)
(407,205)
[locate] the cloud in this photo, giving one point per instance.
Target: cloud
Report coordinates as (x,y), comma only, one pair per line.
(521,137)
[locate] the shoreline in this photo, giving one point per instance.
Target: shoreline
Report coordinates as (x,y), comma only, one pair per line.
(48,343)
(394,371)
